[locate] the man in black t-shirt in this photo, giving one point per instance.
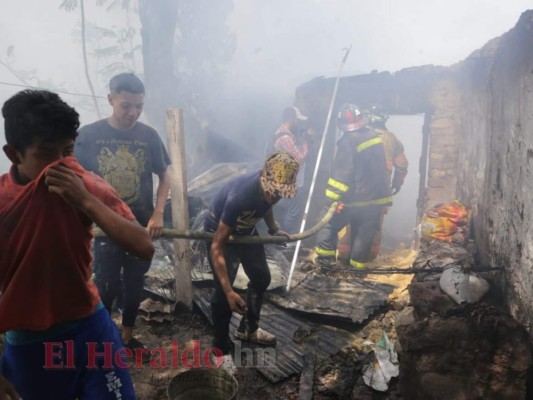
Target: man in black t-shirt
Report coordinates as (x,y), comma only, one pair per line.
(125,153)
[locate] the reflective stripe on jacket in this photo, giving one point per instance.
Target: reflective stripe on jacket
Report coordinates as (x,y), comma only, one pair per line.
(359,174)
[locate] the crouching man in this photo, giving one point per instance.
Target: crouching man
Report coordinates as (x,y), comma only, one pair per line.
(236,209)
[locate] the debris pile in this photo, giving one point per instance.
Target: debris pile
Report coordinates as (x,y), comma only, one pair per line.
(474,351)
(452,342)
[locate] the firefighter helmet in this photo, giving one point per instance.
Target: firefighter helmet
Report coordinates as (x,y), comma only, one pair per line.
(377,120)
(350,118)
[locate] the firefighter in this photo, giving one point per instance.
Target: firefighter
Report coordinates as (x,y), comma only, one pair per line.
(396,161)
(397,165)
(359,180)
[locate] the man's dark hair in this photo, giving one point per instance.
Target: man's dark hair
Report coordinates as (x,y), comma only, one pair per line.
(38,114)
(126,82)
(289,114)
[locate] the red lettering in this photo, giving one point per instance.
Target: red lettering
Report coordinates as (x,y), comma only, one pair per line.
(121,354)
(50,354)
(174,347)
(207,359)
(139,352)
(70,354)
(107,355)
(195,352)
(158,358)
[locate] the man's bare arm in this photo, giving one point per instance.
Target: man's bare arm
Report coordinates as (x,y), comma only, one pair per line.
(155,225)
(222,234)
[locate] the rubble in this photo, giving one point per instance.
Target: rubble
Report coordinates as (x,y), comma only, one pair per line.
(449,351)
(475,351)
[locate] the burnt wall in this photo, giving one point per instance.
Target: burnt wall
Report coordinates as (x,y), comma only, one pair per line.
(480,117)
(495,158)
(405,92)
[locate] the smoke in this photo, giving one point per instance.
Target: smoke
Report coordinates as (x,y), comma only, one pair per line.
(401,218)
(279,45)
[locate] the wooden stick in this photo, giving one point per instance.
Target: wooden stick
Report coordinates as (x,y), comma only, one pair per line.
(180,206)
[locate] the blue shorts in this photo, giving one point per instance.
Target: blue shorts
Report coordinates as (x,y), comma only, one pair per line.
(72,365)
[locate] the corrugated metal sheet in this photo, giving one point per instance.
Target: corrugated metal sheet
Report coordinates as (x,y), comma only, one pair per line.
(208,184)
(289,355)
(345,300)
(351,300)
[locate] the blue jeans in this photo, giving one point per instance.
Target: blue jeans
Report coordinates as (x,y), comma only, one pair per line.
(25,366)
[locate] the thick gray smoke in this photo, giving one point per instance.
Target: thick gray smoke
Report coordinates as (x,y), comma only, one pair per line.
(278,45)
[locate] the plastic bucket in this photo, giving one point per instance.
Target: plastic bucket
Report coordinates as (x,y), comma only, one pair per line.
(203,384)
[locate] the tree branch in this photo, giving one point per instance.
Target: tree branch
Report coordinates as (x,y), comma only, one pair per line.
(85,62)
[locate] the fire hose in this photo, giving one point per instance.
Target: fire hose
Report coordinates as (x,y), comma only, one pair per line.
(207,236)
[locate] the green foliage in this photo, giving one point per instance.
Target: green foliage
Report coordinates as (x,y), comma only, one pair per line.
(124,4)
(112,49)
(203,47)
(69,5)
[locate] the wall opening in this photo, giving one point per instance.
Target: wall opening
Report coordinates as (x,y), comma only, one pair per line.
(400,221)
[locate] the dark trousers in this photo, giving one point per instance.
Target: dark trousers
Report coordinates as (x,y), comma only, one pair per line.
(253,260)
(364,223)
(110,264)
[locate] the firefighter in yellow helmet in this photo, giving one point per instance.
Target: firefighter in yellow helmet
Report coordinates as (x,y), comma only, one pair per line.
(359,180)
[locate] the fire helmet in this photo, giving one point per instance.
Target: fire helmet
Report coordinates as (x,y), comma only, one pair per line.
(377,120)
(350,118)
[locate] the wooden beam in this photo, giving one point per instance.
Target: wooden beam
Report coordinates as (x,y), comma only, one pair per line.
(180,205)
(307,376)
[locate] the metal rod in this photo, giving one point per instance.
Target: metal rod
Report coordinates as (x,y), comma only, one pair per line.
(317,166)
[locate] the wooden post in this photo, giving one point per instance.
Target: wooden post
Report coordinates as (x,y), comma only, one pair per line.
(421,202)
(180,206)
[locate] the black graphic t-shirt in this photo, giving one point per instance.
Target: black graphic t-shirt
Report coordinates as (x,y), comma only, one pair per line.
(125,159)
(240,204)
